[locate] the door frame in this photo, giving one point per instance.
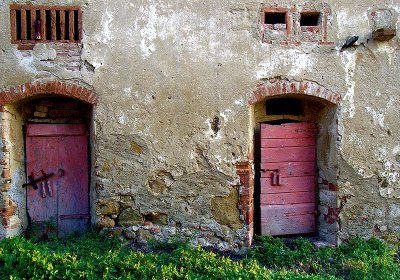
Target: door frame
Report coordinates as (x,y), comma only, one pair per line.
(328,119)
(13,138)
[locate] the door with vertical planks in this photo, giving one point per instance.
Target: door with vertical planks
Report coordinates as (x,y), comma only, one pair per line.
(59,154)
(288,167)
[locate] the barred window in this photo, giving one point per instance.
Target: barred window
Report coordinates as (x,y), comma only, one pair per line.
(32,23)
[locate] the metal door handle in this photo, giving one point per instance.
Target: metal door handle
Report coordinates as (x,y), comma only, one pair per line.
(43,190)
(274,176)
(269,170)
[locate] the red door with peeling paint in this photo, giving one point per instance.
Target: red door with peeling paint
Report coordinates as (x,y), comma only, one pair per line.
(63,198)
(288,165)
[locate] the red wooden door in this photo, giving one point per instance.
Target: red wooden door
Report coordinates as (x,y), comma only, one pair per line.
(63,199)
(288,164)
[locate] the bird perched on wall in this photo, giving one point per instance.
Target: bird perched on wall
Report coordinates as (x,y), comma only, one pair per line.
(349,42)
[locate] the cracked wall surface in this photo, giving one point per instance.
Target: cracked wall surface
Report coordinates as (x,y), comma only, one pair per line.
(173,81)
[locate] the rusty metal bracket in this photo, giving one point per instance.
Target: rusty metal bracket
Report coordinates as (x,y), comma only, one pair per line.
(33,182)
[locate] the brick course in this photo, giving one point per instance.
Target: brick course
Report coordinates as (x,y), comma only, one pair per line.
(246,200)
(20,92)
(278,86)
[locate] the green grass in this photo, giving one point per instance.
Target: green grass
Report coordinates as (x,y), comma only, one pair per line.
(355,259)
(96,257)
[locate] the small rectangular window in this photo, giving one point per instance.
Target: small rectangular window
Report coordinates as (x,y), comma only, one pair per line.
(310,19)
(31,24)
(275,18)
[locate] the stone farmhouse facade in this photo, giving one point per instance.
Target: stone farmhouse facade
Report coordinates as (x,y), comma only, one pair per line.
(212,120)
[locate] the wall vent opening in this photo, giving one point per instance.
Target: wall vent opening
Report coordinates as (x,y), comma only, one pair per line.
(284,106)
(31,24)
(310,19)
(275,18)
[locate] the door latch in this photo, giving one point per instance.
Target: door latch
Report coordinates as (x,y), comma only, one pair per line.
(274,176)
(33,182)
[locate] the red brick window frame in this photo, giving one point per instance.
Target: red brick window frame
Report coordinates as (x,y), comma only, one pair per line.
(310,20)
(307,24)
(32,24)
(275,29)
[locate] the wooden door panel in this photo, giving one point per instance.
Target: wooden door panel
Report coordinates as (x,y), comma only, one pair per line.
(287,219)
(55,130)
(287,198)
(289,130)
(288,154)
(39,157)
(291,142)
(73,199)
(286,169)
(289,184)
(288,151)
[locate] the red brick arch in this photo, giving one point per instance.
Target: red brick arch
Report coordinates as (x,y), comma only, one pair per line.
(57,88)
(280,86)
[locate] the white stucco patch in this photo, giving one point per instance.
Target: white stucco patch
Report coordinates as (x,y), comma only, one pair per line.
(121,118)
(291,61)
(389,173)
(349,61)
(227,114)
(378,116)
(354,138)
(239,102)
(148,32)
(349,23)
(25,61)
(106,35)
(127,91)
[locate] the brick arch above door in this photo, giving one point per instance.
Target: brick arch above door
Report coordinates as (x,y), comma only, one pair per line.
(56,88)
(282,86)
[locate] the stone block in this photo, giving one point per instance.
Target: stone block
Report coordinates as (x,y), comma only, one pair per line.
(130,217)
(40,114)
(43,109)
(225,211)
(129,234)
(5,187)
(106,222)
(107,207)
(327,198)
(144,235)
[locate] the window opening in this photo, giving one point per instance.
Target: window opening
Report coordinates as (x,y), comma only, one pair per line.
(31,24)
(275,18)
(284,106)
(310,19)
(18,24)
(76,26)
(66,23)
(28,26)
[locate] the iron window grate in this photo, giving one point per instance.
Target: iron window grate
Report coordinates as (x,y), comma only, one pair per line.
(31,24)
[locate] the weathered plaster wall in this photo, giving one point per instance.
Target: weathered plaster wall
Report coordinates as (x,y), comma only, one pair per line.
(172,119)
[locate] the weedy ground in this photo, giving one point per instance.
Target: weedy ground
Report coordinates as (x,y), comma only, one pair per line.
(93,256)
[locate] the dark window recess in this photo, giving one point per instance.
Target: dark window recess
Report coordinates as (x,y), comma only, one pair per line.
(310,19)
(275,18)
(284,106)
(31,24)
